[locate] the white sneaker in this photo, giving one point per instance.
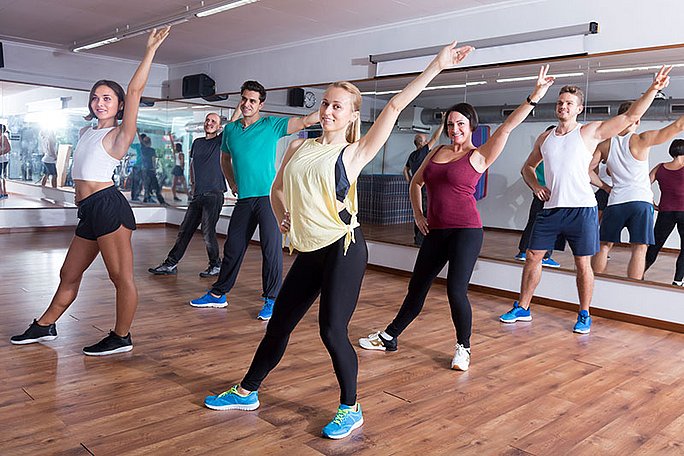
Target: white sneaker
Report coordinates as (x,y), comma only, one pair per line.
(461,359)
(678,284)
(375,341)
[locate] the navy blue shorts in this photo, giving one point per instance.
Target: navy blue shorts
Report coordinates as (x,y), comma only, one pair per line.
(578,225)
(49,169)
(102,213)
(636,216)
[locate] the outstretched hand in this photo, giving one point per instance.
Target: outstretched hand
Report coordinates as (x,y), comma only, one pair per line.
(662,79)
(450,55)
(157,37)
(544,81)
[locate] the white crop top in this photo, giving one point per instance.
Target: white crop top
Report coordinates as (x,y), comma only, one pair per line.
(91,160)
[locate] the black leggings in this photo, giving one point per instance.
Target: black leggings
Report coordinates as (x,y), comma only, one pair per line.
(337,278)
(664,225)
(460,247)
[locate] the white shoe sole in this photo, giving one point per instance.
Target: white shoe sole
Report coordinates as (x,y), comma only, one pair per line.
(125,349)
(551,265)
(245,407)
(516,319)
(581,331)
(459,367)
(356,425)
(217,305)
(262,318)
(32,341)
(369,346)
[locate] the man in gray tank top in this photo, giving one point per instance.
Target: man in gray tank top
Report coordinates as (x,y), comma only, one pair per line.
(570,206)
(630,204)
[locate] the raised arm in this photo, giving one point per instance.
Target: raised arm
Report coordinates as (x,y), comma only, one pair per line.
(435,136)
(491,150)
(127,130)
(647,139)
(363,151)
(528,170)
(237,112)
(277,195)
(295,124)
(600,131)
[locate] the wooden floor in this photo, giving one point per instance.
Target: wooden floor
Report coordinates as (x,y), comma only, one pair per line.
(503,245)
(533,388)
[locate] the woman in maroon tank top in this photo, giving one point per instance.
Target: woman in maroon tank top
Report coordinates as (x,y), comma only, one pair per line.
(670,177)
(453,229)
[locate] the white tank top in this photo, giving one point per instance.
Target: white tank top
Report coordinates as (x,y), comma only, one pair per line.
(566,170)
(630,176)
(91,160)
(178,160)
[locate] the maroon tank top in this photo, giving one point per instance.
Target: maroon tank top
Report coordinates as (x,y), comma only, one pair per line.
(451,194)
(671,185)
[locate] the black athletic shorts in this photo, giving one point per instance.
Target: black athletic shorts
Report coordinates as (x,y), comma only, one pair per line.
(177,171)
(102,213)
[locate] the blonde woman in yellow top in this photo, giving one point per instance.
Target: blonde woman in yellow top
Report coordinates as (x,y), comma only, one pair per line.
(314,198)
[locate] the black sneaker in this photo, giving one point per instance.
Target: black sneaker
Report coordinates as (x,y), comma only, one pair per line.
(164,269)
(35,333)
(211,271)
(375,341)
(111,344)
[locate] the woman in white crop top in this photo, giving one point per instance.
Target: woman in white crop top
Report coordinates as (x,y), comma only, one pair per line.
(105,218)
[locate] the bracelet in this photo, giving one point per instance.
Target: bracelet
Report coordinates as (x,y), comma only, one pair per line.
(532,103)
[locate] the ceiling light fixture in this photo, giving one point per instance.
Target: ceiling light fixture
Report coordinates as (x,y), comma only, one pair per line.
(224,7)
(450,86)
(532,78)
(130,32)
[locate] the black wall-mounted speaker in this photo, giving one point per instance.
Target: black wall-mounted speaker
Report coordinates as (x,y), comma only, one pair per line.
(198,85)
(295,97)
(2,57)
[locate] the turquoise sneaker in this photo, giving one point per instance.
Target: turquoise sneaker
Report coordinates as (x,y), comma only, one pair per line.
(517,313)
(266,311)
(210,301)
(550,263)
(231,400)
(583,325)
(346,420)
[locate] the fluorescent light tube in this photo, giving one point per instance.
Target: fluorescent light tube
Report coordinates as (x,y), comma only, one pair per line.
(97,44)
(532,78)
(226,7)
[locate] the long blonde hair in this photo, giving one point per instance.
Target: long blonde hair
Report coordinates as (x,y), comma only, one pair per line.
(354,129)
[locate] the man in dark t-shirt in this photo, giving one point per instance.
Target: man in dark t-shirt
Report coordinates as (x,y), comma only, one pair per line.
(208,185)
(414,161)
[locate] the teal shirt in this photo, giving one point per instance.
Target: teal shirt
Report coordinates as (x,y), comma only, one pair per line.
(253,153)
(539,171)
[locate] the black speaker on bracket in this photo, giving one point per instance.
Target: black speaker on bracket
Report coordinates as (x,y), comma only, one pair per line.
(2,57)
(216,97)
(198,85)
(295,97)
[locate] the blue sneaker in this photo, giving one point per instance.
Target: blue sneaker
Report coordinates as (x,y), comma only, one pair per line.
(209,301)
(346,420)
(583,325)
(517,313)
(522,256)
(266,311)
(550,262)
(231,400)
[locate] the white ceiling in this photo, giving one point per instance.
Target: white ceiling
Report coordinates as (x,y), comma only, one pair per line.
(267,23)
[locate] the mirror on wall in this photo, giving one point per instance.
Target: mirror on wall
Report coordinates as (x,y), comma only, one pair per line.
(606,80)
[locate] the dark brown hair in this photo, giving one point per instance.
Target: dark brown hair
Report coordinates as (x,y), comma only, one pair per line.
(118,91)
(467,110)
(573,90)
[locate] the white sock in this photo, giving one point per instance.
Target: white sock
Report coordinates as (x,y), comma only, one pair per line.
(386,336)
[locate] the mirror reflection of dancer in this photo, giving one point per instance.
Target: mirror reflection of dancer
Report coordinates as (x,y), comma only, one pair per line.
(570,208)
(630,200)
(314,198)
(453,229)
(5,149)
(106,220)
(670,177)
(48,145)
(178,171)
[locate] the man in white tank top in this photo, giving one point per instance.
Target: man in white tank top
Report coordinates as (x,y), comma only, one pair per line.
(630,204)
(570,206)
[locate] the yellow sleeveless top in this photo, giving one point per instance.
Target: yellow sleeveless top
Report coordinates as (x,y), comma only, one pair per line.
(309,187)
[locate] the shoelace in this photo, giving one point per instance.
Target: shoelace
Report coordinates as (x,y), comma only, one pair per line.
(233,390)
(583,319)
(341,415)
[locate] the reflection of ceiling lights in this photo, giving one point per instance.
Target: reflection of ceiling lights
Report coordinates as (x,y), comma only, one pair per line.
(450,86)
(532,78)
(130,32)
(638,68)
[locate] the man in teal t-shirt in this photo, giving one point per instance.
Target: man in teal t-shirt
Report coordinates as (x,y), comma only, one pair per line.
(248,163)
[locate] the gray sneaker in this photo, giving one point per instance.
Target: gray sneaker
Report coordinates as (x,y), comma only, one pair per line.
(164,269)
(211,271)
